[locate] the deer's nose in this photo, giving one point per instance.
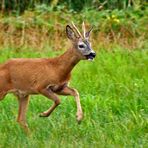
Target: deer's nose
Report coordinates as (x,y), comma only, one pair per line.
(93,54)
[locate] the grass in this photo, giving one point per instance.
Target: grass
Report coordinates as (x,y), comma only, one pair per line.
(114,97)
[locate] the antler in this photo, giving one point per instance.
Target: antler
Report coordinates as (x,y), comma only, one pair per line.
(83,28)
(76,29)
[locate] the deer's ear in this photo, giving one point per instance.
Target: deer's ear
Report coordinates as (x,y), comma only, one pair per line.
(87,34)
(70,33)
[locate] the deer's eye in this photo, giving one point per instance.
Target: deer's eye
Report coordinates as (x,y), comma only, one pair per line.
(81,46)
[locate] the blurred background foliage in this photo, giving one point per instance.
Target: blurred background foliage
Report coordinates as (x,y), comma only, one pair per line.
(20,6)
(39,23)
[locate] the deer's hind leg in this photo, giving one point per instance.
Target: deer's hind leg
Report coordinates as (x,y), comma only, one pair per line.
(2,94)
(23,103)
(3,91)
(4,84)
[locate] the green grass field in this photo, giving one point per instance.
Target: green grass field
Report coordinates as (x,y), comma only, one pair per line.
(114,97)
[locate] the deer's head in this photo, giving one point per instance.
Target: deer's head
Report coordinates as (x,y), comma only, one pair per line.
(81,42)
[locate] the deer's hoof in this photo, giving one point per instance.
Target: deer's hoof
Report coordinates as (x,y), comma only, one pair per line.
(79,118)
(24,126)
(43,115)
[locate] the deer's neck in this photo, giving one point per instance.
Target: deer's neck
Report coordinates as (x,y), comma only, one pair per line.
(68,60)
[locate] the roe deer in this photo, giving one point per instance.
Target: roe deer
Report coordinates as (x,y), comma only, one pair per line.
(46,76)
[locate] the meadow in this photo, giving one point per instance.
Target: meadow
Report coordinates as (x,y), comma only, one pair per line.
(113,88)
(114,96)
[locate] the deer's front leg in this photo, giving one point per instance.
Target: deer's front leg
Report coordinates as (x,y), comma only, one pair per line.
(73,92)
(51,95)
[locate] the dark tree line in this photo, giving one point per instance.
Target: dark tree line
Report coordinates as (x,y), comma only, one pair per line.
(76,5)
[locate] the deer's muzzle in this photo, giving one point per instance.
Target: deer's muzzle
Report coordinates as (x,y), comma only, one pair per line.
(91,56)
